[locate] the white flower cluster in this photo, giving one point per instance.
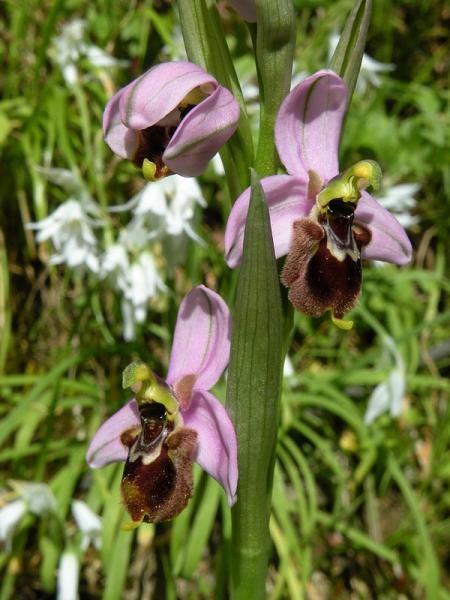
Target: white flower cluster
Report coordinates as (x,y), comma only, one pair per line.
(69,49)
(388,395)
(34,498)
(38,499)
(162,213)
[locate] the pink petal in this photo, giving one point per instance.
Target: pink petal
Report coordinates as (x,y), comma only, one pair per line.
(217,446)
(246,8)
(106,447)
(157,92)
(201,344)
(308,125)
(122,140)
(389,240)
(201,133)
(287,198)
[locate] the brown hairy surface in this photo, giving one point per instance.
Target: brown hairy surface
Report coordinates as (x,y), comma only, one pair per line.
(318,281)
(159,491)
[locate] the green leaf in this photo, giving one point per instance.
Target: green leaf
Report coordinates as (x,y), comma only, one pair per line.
(347,58)
(253,393)
(429,569)
(201,527)
(5,304)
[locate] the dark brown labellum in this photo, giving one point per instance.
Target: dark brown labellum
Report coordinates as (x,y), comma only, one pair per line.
(157,478)
(323,266)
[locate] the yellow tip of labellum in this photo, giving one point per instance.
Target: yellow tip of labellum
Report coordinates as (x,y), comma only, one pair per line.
(149,170)
(341,323)
(368,172)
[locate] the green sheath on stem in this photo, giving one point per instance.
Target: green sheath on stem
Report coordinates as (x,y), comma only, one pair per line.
(253,393)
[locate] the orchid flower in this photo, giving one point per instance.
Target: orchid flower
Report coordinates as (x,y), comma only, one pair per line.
(320,218)
(172,119)
(170,423)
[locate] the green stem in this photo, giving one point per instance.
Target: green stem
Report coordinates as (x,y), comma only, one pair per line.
(273,40)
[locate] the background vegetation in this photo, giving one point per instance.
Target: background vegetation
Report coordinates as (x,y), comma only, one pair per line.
(360,510)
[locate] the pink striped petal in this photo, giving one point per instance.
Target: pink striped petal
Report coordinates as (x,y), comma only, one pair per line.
(122,141)
(217,446)
(156,93)
(106,447)
(201,133)
(389,240)
(287,199)
(308,125)
(201,344)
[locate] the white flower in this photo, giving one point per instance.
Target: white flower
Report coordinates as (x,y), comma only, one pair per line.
(217,165)
(137,278)
(68,574)
(399,199)
(370,68)
(69,48)
(167,207)
(288,368)
(70,228)
(88,523)
(175,48)
(389,394)
(144,283)
(10,517)
(65,179)
(36,498)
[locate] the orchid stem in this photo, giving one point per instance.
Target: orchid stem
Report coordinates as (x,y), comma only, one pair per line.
(253,393)
(273,39)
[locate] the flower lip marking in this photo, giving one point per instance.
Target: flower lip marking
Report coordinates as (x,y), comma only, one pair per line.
(337,225)
(154,426)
